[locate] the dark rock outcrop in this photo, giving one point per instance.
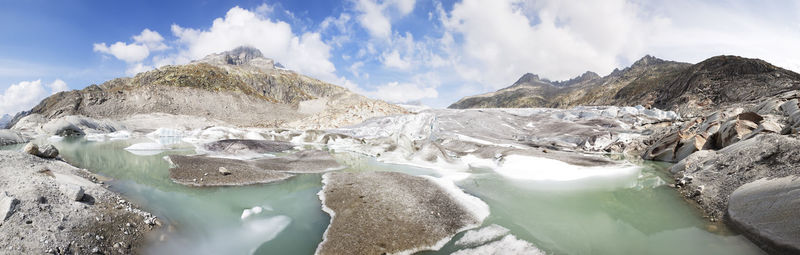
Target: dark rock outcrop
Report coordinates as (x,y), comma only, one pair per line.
(766,210)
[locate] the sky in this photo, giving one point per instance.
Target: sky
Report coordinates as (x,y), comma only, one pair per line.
(402,51)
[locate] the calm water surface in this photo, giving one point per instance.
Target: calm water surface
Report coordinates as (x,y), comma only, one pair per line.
(637,215)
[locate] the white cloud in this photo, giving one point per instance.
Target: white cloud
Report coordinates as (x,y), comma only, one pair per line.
(264,9)
(497,41)
(394,60)
(402,92)
(126,52)
(305,53)
(25,95)
(57,86)
(376,17)
(152,39)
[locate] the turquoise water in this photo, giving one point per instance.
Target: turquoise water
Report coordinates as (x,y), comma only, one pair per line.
(641,218)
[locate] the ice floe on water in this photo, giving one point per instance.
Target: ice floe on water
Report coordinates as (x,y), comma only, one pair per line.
(494,239)
(483,235)
(146,149)
(247,213)
(507,245)
(545,169)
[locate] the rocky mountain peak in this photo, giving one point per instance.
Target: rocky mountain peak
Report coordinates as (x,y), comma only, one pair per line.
(528,78)
(242,56)
(589,75)
(647,60)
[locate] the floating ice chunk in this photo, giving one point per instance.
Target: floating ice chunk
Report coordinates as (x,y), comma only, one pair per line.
(96,137)
(252,211)
(119,135)
(508,245)
(483,235)
(545,169)
(55,139)
(146,149)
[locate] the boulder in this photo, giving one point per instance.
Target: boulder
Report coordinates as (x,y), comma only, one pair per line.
(224,171)
(689,145)
(768,211)
(31,148)
(7,206)
(663,149)
(49,151)
(721,172)
(73,192)
(733,131)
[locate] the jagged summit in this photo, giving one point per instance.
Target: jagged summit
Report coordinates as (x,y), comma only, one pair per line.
(647,60)
(528,78)
(242,56)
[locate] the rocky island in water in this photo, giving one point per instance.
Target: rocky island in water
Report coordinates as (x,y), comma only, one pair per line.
(233,154)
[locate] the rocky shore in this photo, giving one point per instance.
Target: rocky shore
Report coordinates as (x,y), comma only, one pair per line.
(739,165)
(48,206)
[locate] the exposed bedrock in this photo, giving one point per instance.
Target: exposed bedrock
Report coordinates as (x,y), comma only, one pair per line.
(388,212)
(767,211)
(741,180)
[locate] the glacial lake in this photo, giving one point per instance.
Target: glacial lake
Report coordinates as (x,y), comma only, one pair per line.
(620,215)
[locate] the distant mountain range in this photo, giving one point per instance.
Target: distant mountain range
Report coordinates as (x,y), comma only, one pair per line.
(683,87)
(4,120)
(240,87)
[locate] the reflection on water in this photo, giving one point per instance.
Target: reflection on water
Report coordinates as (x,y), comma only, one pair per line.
(641,217)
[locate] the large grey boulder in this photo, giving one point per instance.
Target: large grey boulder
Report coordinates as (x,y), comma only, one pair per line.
(768,211)
(48,151)
(711,176)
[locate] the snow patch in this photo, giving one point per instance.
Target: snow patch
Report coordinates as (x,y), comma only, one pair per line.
(483,235)
(508,245)
(545,169)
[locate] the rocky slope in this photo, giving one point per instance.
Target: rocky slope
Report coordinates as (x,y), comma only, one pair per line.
(739,165)
(688,89)
(239,87)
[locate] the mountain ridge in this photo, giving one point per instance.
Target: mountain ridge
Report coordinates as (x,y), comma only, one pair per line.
(650,81)
(240,87)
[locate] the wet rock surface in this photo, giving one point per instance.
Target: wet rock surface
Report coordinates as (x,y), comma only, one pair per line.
(43,213)
(213,171)
(388,212)
(205,171)
(767,211)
